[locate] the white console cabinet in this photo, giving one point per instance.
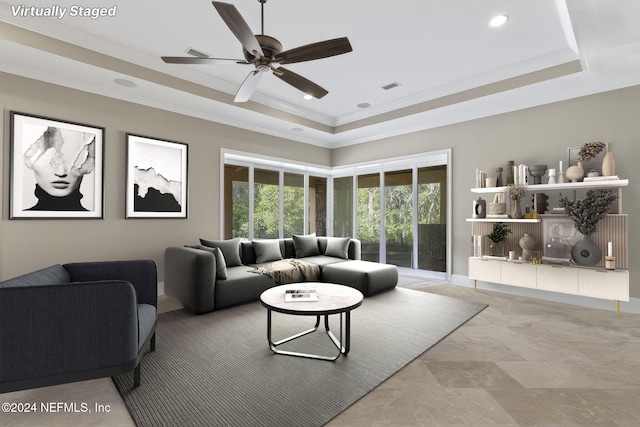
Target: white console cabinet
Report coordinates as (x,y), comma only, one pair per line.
(595,282)
(583,281)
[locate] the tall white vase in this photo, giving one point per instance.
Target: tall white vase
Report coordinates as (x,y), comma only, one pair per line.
(608,165)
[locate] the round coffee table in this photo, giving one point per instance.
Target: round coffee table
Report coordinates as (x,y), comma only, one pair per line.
(332,299)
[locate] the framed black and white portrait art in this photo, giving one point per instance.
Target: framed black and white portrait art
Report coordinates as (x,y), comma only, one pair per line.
(56,169)
(156,178)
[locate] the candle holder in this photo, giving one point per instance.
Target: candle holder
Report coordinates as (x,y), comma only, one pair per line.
(610,262)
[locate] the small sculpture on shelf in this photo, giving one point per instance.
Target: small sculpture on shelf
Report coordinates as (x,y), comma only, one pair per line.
(509,179)
(497,236)
(499,182)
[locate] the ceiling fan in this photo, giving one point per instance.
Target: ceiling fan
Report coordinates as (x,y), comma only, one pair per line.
(263,52)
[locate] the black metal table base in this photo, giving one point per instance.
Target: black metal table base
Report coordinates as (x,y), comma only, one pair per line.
(342,346)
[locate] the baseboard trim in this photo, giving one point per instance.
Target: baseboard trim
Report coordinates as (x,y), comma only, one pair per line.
(633,306)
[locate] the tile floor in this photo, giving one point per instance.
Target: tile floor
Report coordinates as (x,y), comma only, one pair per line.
(520,362)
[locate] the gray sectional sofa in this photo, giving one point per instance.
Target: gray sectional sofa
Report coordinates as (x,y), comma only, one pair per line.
(221,273)
(75,322)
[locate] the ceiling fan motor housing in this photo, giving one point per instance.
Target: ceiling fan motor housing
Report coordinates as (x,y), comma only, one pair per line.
(270,47)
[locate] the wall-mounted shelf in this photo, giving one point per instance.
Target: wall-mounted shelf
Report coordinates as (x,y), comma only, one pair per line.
(533,221)
(539,188)
(592,282)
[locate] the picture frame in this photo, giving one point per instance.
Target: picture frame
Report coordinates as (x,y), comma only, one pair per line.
(560,235)
(56,169)
(157,175)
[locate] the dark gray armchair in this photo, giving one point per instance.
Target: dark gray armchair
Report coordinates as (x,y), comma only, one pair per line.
(76,322)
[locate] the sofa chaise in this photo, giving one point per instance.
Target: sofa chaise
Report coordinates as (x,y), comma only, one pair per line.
(222,273)
(75,322)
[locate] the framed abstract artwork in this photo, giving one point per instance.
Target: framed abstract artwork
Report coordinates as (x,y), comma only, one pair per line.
(56,169)
(156,178)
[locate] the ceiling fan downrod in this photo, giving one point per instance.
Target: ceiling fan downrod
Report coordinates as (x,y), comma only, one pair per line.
(262,2)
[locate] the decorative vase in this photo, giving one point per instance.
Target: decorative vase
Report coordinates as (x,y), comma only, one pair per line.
(496,249)
(536,171)
(608,165)
(528,243)
(516,210)
(575,173)
(556,248)
(499,182)
(586,252)
(479,208)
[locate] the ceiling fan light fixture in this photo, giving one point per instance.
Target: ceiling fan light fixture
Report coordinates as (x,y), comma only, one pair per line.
(498,21)
(307,96)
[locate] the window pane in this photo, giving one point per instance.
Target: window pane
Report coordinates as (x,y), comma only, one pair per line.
(398,197)
(369,216)
(267,204)
(318,205)
(236,201)
(293,204)
(343,207)
(432,218)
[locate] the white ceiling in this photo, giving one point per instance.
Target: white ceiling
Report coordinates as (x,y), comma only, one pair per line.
(450,64)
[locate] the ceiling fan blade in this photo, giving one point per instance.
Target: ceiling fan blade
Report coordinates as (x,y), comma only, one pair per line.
(194,60)
(313,51)
(300,83)
(238,27)
(248,86)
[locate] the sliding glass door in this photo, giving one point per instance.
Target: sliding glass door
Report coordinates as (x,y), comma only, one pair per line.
(369,216)
(266,211)
(397,208)
(343,207)
(432,218)
(398,196)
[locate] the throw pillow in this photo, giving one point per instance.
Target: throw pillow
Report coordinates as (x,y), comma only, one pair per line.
(267,250)
(338,247)
(230,249)
(305,245)
(221,265)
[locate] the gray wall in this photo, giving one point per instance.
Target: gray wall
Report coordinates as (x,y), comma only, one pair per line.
(31,244)
(537,135)
(534,136)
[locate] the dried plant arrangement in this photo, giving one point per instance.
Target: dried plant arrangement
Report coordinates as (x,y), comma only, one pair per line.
(589,150)
(588,212)
(516,192)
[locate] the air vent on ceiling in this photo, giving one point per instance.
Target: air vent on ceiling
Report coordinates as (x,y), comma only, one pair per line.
(197,53)
(390,85)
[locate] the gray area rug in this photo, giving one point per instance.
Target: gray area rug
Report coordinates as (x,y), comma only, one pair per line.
(216,369)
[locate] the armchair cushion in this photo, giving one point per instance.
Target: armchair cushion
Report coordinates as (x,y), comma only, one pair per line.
(46,276)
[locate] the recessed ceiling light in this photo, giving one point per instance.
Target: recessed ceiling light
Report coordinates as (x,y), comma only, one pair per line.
(125,82)
(364,105)
(498,21)
(297,129)
(308,96)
